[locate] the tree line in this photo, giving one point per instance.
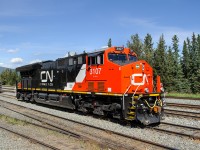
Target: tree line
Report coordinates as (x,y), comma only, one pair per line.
(179,69)
(9,77)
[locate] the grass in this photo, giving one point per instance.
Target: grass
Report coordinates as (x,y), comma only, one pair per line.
(12,121)
(197,96)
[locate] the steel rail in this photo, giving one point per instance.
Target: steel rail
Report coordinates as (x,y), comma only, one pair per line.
(30,138)
(183,105)
(178,133)
(184,98)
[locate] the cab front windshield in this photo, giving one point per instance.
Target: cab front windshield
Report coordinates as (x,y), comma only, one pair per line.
(132,58)
(115,57)
(121,59)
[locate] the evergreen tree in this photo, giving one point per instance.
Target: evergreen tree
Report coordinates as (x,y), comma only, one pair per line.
(185,63)
(135,44)
(148,49)
(9,77)
(194,65)
(185,60)
(198,50)
(195,76)
(194,53)
(178,83)
(159,64)
(175,48)
(170,69)
(109,42)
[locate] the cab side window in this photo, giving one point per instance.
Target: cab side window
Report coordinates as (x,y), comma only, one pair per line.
(71,61)
(80,60)
(96,60)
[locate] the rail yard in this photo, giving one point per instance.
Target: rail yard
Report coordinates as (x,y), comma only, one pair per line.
(180,128)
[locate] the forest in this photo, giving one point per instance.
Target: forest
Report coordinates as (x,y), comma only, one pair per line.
(179,68)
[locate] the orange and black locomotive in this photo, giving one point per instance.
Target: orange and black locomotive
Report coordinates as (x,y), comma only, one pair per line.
(110,81)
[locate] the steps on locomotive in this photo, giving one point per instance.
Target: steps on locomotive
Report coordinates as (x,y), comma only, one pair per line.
(131,111)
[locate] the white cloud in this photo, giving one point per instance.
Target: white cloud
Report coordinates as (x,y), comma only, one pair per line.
(1,64)
(16,60)
(12,50)
(34,61)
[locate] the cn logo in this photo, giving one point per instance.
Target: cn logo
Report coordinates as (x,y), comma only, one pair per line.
(143,76)
(45,75)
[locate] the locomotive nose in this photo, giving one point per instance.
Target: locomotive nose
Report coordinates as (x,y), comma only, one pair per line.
(142,77)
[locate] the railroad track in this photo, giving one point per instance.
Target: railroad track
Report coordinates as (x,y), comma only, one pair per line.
(53,124)
(29,138)
(181,130)
(7,96)
(10,89)
(183,105)
(185,98)
(100,130)
(187,114)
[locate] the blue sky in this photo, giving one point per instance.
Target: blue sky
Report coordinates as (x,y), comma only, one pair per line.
(37,30)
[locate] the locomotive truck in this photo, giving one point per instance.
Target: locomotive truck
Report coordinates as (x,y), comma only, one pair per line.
(108,82)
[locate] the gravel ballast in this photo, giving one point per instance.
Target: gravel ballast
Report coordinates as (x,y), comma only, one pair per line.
(10,141)
(147,134)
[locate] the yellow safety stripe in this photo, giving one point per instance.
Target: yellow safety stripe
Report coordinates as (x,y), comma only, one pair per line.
(80,92)
(70,91)
(154,94)
(110,94)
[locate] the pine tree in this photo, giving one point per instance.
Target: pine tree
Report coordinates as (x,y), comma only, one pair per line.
(159,64)
(170,69)
(109,42)
(185,63)
(177,71)
(9,77)
(135,44)
(185,60)
(196,75)
(194,65)
(148,49)
(198,50)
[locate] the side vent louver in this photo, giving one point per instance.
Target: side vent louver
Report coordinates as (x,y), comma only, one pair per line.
(91,86)
(100,86)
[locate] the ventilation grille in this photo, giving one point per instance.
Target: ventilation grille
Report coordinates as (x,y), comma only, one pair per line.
(101,86)
(91,86)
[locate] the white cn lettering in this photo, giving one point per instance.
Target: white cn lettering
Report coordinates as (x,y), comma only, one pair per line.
(144,78)
(46,76)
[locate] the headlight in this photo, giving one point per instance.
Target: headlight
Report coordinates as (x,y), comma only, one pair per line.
(146,90)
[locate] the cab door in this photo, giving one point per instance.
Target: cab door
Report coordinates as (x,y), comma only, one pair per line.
(95,72)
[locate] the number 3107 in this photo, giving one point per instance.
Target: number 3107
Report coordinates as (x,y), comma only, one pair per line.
(95,71)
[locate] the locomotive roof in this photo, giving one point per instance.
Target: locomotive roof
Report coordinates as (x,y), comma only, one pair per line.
(95,53)
(97,50)
(29,67)
(37,65)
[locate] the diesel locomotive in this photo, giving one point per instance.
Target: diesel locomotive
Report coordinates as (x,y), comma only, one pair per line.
(109,82)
